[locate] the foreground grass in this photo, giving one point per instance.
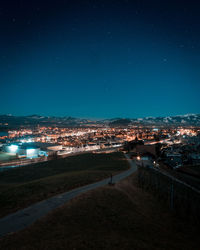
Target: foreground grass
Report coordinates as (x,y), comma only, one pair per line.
(4,157)
(23,186)
(119,217)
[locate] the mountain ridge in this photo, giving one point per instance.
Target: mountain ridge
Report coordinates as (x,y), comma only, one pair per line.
(186,119)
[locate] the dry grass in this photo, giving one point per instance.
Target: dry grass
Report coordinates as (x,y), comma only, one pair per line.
(5,157)
(24,186)
(118,217)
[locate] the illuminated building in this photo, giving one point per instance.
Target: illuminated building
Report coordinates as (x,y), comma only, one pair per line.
(22,150)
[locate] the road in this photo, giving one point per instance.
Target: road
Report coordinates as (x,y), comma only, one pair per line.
(23,218)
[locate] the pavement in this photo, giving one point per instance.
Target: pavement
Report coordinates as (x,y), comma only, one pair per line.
(25,217)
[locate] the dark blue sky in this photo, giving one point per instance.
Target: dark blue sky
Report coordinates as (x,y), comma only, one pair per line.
(99,58)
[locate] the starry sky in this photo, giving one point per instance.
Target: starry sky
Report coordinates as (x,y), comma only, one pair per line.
(99,59)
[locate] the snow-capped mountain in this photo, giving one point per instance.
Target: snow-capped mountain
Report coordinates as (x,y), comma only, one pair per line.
(34,120)
(188,119)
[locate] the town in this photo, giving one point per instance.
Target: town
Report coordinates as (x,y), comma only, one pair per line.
(99,125)
(176,146)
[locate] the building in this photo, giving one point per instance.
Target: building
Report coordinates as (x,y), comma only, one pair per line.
(27,150)
(144,149)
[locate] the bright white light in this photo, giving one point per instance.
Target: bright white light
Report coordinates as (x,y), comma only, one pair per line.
(30,151)
(138,158)
(13,148)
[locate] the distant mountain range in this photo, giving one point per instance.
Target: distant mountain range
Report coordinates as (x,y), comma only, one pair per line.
(34,120)
(188,119)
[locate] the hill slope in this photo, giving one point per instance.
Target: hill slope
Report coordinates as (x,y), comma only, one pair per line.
(119,217)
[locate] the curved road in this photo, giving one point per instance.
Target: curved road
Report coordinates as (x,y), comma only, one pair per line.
(23,218)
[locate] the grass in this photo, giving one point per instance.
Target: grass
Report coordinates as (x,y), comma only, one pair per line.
(5,157)
(21,187)
(118,217)
(193,170)
(182,174)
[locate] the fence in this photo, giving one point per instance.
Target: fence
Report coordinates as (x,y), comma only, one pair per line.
(183,199)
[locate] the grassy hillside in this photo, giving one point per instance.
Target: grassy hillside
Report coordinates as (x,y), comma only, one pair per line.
(23,186)
(119,217)
(4,157)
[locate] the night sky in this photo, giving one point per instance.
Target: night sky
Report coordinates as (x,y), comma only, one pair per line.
(99,59)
